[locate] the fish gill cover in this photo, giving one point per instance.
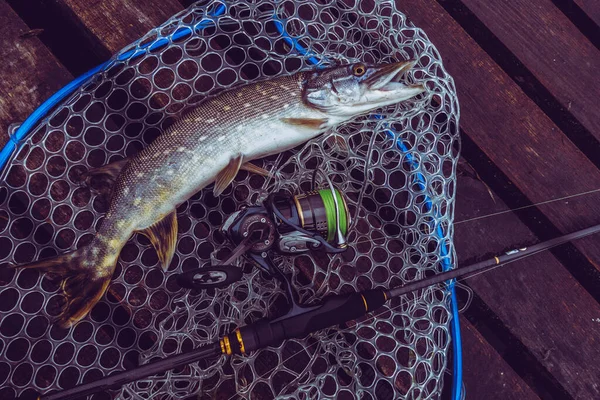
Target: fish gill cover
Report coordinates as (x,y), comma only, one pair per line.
(398,175)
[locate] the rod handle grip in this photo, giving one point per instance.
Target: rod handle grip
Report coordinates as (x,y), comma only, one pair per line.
(334,310)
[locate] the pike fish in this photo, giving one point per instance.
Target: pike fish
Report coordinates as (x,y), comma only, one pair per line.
(211,143)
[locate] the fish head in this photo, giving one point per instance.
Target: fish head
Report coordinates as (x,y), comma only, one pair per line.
(349,90)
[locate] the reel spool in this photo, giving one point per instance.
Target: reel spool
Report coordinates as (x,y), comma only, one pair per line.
(314,211)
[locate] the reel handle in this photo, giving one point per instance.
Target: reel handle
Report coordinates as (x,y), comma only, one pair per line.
(334,310)
(217,276)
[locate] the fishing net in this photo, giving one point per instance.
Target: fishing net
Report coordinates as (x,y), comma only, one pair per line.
(398,172)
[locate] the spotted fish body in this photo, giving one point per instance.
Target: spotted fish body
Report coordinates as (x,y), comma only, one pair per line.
(247,123)
(210,144)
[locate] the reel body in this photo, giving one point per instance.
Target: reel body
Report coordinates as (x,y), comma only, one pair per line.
(286,224)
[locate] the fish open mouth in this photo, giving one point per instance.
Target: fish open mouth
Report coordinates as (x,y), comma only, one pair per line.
(388,77)
(388,85)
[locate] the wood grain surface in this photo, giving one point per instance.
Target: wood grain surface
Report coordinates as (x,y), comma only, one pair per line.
(498,379)
(117,23)
(552,48)
(30,73)
(591,8)
(543,164)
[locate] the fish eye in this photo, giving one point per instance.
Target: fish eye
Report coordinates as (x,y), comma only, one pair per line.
(359,70)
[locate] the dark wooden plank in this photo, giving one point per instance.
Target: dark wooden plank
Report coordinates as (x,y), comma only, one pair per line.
(591,8)
(552,48)
(134,20)
(117,23)
(486,375)
(30,74)
(531,86)
(62,33)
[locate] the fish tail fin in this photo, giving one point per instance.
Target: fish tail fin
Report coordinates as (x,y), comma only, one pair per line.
(85,278)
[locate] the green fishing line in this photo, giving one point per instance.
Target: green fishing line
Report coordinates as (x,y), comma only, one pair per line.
(329,204)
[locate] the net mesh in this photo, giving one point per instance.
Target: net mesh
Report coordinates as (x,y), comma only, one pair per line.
(398,174)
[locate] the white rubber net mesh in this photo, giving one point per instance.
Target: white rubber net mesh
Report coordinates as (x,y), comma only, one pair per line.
(399,177)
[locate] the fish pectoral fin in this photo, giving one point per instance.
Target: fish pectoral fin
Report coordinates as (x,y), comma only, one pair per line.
(226,176)
(111,170)
(163,236)
(255,169)
(311,123)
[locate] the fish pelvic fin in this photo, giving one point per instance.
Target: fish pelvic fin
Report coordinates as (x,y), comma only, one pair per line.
(85,278)
(226,176)
(337,142)
(110,171)
(163,236)
(255,169)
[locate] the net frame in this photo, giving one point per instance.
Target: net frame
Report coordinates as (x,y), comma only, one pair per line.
(399,353)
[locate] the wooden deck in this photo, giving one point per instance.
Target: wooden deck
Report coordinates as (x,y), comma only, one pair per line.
(527,78)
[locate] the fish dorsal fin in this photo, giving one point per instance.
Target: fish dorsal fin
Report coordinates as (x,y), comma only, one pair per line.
(227,175)
(311,123)
(163,236)
(111,170)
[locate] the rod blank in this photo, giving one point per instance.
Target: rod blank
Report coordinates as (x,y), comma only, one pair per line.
(121,378)
(493,262)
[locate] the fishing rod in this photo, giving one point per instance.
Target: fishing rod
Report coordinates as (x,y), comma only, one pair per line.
(301,321)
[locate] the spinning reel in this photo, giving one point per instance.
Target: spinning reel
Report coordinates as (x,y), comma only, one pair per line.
(314,221)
